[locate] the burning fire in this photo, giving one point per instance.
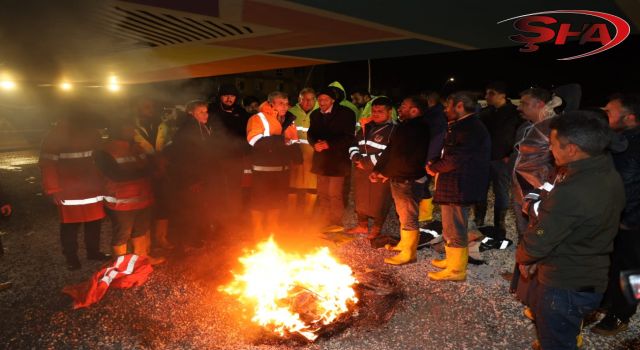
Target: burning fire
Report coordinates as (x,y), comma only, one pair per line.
(291,293)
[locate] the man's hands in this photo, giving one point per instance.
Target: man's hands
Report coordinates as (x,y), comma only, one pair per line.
(321,145)
(376,176)
(528,270)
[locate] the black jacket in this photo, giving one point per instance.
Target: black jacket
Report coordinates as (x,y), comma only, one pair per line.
(372,198)
(502,124)
(193,154)
(463,170)
(405,158)
(437,122)
(337,128)
(628,165)
(231,127)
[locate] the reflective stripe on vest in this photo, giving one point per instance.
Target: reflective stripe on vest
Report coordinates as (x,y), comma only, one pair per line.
(82,201)
(372,144)
(265,124)
(302,128)
(266,132)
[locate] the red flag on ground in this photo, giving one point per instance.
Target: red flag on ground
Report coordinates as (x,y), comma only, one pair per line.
(125,272)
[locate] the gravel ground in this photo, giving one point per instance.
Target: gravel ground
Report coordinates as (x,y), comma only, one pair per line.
(180,306)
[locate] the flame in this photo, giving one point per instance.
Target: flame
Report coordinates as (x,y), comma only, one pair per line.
(290,293)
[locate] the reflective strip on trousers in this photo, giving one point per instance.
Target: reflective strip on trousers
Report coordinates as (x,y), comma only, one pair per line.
(302,128)
(130,159)
(49,156)
(82,201)
(114,200)
(269,168)
(75,155)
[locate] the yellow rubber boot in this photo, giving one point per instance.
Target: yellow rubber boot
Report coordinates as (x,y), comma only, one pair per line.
(456,269)
(397,247)
(426,210)
(309,203)
(161,234)
(409,248)
(119,250)
(440,263)
(141,247)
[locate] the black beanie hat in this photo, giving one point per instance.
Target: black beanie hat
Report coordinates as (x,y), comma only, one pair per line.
(228,89)
(327,91)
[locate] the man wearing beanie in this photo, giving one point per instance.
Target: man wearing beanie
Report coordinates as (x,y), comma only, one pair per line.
(228,119)
(331,133)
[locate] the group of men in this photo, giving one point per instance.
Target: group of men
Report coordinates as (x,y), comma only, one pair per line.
(224,165)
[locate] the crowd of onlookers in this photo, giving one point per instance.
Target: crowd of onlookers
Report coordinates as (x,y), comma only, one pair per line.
(570,175)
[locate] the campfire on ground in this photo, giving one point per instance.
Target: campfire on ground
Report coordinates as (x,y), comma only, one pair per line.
(293,294)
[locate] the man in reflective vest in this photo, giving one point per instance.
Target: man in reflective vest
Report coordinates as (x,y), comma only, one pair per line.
(303,182)
(152,135)
(372,199)
(71,178)
(128,193)
(273,136)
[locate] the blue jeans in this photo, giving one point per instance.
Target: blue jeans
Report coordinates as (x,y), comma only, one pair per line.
(406,197)
(455,219)
(559,314)
(330,198)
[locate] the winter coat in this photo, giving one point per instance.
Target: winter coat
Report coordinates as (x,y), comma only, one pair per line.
(405,158)
(627,163)
(337,128)
(194,154)
(274,142)
(69,172)
(127,171)
(437,122)
(502,124)
(571,236)
(231,128)
(371,198)
(463,169)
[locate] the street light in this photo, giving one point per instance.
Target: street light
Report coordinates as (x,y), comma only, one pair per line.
(113,85)
(7,84)
(66,86)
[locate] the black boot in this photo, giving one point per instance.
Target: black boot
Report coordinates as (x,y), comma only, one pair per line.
(479,212)
(500,229)
(92,241)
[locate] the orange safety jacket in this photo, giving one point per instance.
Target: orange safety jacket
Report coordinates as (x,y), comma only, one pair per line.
(70,175)
(132,194)
(265,135)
